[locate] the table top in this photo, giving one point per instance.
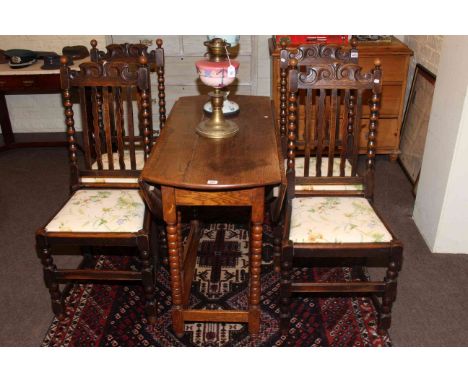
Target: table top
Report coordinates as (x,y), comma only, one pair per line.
(34,69)
(184,159)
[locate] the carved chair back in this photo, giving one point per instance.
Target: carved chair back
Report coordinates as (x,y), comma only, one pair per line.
(117,132)
(306,55)
(128,52)
(333,103)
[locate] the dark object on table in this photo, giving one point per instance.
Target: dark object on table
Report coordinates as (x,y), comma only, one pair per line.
(77,52)
(20,58)
(41,54)
(52,61)
(3,57)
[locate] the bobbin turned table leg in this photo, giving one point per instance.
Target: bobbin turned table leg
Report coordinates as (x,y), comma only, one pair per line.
(170,217)
(256,231)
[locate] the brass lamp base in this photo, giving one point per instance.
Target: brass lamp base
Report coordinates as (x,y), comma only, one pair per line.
(210,130)
(217,127)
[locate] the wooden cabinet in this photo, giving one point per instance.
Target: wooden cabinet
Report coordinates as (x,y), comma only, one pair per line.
(29,83)
(394,59)
(30,80)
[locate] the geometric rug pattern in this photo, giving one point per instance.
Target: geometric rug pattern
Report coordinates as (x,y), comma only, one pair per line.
(113,315)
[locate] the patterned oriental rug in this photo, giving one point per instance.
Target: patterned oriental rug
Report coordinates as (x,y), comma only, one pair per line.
(113,315)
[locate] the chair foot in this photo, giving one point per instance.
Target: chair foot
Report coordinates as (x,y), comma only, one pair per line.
(255,339)
(147,276)
(285,289)
(389,297)
(58,307)
(150,305)
(284,324)
(151,320)
(385,319)
(382,332)
(50,280)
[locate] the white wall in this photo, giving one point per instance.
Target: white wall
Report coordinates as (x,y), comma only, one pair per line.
(263,66)
(441,206)
(452,236)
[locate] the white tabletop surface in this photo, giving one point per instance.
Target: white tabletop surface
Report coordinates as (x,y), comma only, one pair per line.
(35,68)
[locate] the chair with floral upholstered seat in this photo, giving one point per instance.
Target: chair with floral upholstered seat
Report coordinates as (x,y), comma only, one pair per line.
(308,54)
(325,223)
(105,208)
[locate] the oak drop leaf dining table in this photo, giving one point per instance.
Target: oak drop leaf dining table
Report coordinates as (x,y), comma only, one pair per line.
(196,171)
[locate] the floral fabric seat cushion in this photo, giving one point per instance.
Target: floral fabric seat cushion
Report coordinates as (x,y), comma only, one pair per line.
(299,167)
(100,211)
(336,220)
(300,164)
(139,161)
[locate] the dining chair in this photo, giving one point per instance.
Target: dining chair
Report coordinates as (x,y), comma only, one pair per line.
(328,218)
(105,208)
(131,53)
(306,55)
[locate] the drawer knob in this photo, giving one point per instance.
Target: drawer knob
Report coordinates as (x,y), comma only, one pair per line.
(28,82)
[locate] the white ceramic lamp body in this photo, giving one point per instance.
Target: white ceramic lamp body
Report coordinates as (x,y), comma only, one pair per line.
(233,40)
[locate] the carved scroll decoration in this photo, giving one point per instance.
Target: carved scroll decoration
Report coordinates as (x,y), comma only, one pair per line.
(327,74)
(106,73)
(311,54)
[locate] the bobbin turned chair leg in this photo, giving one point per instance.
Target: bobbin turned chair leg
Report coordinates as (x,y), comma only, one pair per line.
(163,245)
(389,297)
(285,288)
(277,254)
(147,276)
(277,235)
(45,255)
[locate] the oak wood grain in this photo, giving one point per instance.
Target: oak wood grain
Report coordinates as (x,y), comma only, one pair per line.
(182,158)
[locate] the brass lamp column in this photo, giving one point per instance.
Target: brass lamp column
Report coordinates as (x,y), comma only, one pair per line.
(217,72)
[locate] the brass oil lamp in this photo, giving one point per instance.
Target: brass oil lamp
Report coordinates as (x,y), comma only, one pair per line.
(217,72)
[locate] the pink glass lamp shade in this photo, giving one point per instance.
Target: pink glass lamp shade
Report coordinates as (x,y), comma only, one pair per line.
(215,74)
